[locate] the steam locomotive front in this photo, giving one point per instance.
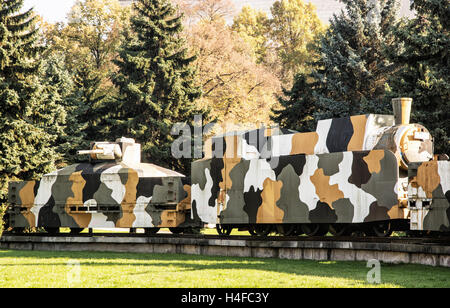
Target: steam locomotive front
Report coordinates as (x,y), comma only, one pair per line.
(424,178)
(409,142)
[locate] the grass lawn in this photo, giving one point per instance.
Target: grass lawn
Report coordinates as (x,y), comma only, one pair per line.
(51,269)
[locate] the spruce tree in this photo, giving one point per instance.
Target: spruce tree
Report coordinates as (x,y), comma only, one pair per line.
(57,88)
(423,50)
(155,80)
(86,105)
(27,119)
(298,106)
(353,68)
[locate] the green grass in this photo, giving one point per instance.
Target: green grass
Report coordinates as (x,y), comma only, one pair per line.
(50,269)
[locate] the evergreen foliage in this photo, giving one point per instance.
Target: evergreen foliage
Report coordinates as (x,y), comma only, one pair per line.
(57,88)
(297,106)
(86,105)
(29,117)
(353,68)
(423,50)
(155,81)
(350,76)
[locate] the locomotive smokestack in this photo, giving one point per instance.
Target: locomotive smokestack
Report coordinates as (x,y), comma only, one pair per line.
(402,110)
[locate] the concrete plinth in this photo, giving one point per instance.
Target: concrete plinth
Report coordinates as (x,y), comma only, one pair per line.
(434,255)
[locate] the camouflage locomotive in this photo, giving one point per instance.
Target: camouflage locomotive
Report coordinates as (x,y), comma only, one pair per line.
(351,174)
(366,173)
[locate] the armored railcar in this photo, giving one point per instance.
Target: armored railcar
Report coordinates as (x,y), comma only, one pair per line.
(351,174)
(113,190)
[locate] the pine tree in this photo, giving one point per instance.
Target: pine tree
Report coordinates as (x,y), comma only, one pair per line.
(353,68)
(423,50)
(155,81)
(297,106)
(87,104)
(27,118)
(57,88)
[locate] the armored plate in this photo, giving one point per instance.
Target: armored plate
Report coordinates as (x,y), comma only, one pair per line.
(101,195)
(346,187)
(429,195)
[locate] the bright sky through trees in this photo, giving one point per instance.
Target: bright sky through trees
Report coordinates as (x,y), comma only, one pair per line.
(56,10)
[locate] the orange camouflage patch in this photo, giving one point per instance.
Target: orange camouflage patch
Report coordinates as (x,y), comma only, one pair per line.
(359,130)
(228,164)
(185,204)
(78,183)
(397,212)
(26,195)
(327,193)
(129,200)
(171,219)
(304,143)
(227,183)
(230,160)
(373,160)
(428,177)
(269,212)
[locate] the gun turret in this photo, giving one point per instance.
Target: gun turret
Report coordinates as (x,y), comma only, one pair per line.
(103,151)
(124,149)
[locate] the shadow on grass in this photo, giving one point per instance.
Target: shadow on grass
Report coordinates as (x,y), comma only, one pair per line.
(402,275)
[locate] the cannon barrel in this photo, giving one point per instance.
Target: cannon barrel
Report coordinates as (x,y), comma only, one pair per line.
(103,151)
(89,152)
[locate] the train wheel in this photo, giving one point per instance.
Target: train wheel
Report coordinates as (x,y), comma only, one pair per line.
(414,233)
(192,230)
(76,230)
(261,230)
(340,229)
(176,230)
(51,230)
(299,230)
(380,229)
(315,229)
(251,230)
(150,231)
(287,230)
(223,230)
(18,230)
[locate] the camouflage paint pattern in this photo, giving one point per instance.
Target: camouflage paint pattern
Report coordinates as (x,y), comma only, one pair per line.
(102,195)
(409,142)
(344,187)
(429,195)
(348,171)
